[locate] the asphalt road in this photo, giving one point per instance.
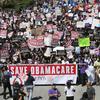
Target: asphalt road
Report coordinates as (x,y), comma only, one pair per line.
(42,91)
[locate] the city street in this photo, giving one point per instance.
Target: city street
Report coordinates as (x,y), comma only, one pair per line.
(42,91)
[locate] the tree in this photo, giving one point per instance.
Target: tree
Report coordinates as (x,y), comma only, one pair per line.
(7,3)
(15,4)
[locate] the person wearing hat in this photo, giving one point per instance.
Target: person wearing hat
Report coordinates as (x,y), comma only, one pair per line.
(54,93)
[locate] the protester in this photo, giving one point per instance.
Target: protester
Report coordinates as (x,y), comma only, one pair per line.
(18,92)
(30,35)
(90,91)
(97,71)
(69,91)
(54,93)
(29,86)
(83,76)
(1,75)
(6,82)
(91,74)
(84,96)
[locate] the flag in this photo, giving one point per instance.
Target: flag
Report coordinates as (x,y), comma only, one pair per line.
(84,42)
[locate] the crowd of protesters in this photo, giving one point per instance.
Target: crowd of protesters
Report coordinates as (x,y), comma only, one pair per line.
(56,27)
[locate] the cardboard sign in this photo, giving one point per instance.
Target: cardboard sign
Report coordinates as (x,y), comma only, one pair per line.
(84,42)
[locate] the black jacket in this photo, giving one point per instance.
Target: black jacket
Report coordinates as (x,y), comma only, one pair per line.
(29,81)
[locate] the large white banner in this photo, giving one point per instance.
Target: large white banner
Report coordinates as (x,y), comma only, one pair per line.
(45,73)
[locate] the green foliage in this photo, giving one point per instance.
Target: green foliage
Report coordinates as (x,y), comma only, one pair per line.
(22,4)
(7,4)
(16,4)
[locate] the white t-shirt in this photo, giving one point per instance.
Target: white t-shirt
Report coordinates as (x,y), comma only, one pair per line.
(69,92)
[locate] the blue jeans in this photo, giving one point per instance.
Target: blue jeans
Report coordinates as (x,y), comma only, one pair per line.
(29,90)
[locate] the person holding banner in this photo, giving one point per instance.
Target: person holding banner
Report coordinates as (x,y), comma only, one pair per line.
(54,93)
(29,86)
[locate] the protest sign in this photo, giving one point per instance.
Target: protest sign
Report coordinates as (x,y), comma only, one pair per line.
(60,50)
(46,73)
(97,51)
(80,24)
(56,37)
(84,42)
(17,39)
(74,35)
(3,33)
(95,23)
(24,47)
(35,42)
(4,53)
(68,42)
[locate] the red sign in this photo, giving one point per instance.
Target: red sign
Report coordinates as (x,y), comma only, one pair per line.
(35,43)
(74,35)
(44,69)
(4,53)
(45,73)
(56,38)
(3,33)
